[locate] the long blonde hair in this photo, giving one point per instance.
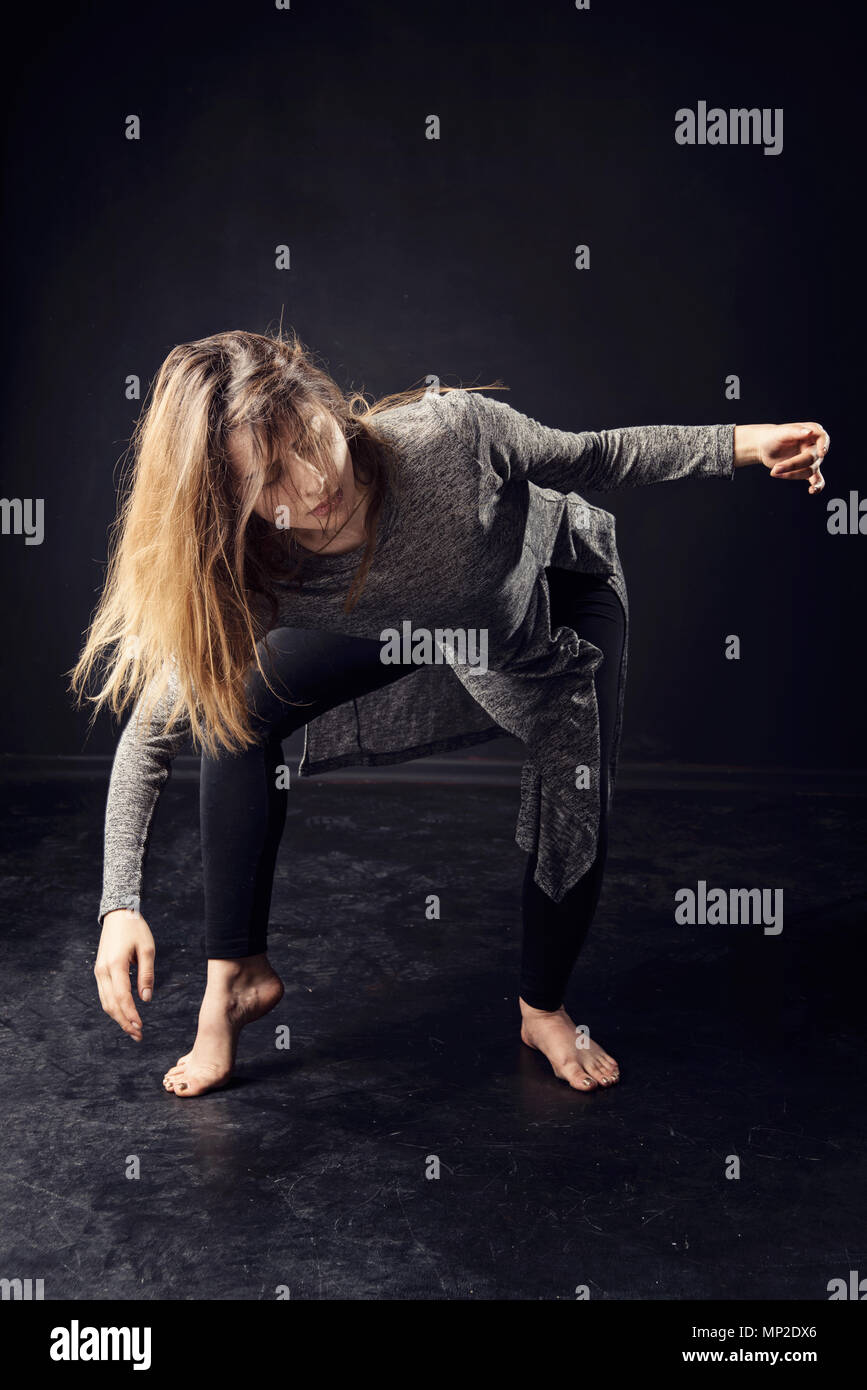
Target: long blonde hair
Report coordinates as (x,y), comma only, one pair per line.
(187,593)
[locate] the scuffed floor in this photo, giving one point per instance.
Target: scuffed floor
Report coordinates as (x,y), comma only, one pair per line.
(308,1174)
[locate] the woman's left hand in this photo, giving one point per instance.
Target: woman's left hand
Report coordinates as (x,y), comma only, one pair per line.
(793,451)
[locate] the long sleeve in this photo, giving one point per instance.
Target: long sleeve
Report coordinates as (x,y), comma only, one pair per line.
(520,447)
(142,766)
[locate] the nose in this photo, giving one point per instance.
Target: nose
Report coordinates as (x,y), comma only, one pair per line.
(311,484)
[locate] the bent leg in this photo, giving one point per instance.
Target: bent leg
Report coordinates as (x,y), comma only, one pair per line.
(242,808)
(242,816)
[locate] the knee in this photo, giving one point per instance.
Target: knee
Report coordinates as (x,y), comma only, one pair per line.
(275,709)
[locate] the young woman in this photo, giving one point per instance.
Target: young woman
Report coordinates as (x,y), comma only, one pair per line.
(278,543)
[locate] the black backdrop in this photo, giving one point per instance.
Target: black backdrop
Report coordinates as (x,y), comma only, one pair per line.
(454,257)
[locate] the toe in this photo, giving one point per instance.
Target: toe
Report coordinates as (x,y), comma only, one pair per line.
(598,1071)
(607,1065)
(577,1077)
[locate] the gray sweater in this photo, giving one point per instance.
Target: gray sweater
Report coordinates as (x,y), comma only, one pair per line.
(487,499)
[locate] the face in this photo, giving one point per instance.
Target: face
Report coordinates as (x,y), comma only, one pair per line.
(300,503)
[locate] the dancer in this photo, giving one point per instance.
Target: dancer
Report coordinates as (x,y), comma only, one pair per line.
(277,542)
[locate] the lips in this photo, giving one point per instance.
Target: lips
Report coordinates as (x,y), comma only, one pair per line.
(325,507)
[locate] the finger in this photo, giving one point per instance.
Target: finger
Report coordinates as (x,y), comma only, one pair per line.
(805,459)
(109,1003)
(817,482)
(129,1019)
(822,438)
(101,992)
(145,974)
(819,433)
(798,475)
(799,430)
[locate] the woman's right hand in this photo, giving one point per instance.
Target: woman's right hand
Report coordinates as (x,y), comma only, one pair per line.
(126,937)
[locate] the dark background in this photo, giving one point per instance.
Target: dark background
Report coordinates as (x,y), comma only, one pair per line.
(455,257)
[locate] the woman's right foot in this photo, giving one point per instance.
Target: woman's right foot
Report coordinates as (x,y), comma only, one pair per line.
(237,993)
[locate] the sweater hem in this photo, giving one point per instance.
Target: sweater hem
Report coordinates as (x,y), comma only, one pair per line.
(365,758)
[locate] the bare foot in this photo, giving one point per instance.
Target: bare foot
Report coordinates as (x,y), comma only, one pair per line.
(555,1035)
(237,993)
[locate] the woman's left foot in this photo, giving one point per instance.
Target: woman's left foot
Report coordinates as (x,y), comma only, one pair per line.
(554,1034)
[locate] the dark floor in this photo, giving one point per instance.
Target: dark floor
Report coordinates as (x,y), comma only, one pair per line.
(309,1171)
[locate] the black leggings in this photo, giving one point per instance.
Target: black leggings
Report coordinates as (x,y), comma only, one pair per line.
(243,811)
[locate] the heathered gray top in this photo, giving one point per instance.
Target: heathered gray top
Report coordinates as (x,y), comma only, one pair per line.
(488,499)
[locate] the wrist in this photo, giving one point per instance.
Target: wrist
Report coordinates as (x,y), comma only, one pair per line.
(117,912)
(746,445)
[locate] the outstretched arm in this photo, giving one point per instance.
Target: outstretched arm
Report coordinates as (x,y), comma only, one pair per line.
(142,766)
(518,446)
